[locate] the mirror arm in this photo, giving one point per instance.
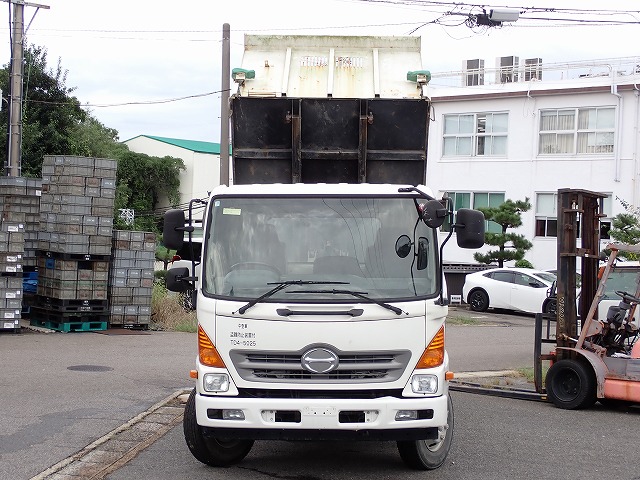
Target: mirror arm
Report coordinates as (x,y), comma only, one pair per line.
(417,190)
(449,207)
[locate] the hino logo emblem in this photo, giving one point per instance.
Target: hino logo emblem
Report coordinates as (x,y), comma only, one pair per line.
(320,360)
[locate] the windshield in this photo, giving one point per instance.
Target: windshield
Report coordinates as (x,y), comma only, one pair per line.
(253,243)
(549,277)
(621,279)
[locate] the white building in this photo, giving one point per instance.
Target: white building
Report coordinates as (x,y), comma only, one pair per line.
(201,159)
(524,132)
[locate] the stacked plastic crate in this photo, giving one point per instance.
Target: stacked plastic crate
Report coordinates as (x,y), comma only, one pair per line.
(12,250)
(131,278)
(20,200)
(74,243)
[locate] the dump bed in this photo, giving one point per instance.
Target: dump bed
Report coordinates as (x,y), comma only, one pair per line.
(330,109)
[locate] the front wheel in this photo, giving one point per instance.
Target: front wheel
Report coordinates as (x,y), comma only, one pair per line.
(429,454)
(550,308)
(478,300)
(216,452)
(571,384)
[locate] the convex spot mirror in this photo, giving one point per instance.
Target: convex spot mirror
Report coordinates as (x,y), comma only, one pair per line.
(403,246)
(433,213)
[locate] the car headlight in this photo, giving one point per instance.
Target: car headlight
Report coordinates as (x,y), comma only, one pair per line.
(424,384)
(215,382)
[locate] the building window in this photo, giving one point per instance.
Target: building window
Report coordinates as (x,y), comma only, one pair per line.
(476,200)
(547,216)
(583,131)
(479,134)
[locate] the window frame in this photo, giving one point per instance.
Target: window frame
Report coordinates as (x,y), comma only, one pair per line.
(478,137)
(576,132)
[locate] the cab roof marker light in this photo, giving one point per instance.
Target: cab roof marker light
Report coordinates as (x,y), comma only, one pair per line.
(433,355)
(207,352)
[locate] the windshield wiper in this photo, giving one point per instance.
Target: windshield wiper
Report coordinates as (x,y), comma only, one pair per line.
(362,295)
(279,286)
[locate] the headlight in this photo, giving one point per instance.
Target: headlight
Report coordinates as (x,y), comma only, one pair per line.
(424,384)
(215,382)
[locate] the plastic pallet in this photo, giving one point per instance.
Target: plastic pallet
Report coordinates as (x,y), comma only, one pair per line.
(70,326)
(68,306)
(129,326)
(72,256)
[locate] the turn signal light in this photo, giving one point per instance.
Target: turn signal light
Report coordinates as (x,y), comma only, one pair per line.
(207,352)
(434,353)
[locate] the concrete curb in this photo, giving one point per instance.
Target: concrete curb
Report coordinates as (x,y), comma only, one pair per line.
(116,448)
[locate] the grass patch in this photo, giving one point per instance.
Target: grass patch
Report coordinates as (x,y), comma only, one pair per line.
(167,314)
(462,320)
(527,373)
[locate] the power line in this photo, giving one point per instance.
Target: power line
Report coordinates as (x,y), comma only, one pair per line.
(140,102)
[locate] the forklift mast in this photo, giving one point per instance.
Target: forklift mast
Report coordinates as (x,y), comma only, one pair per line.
(579,213)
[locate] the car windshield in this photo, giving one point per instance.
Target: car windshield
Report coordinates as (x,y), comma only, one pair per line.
(623,279)
(334,245)
(549,277)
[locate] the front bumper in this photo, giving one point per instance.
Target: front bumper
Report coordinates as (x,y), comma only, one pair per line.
(320,419)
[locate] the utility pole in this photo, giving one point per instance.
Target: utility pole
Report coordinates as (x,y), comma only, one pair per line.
(224,107)
(14,154)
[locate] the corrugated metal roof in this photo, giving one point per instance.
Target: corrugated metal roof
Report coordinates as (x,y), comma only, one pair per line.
(193,145)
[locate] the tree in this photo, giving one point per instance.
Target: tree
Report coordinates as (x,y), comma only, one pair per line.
(511,246)
(55,123)
(50,112)
(625,228)
(142,181)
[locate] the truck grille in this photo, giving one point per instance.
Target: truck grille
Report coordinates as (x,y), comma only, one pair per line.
(352,368)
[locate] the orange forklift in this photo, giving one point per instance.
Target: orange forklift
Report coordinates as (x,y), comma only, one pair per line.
(593,360)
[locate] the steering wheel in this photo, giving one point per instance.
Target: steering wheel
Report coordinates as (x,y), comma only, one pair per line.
(627,297)
(255,266)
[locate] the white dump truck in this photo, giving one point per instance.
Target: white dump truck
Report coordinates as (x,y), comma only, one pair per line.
(321,301)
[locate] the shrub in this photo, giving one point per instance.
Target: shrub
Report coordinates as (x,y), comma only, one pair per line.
(524,264)
(167,312)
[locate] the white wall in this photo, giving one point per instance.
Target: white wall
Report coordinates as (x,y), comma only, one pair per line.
(522,173)
(202,171)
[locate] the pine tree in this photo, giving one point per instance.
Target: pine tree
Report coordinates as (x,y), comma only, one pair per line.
(511,246)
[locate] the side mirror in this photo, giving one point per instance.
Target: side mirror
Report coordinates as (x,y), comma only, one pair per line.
(423,253)
(434,213)
(173,230)
(469,228)
(175,280)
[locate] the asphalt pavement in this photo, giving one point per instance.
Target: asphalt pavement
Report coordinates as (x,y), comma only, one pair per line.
(112,394)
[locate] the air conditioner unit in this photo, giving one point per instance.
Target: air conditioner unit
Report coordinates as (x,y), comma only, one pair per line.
(532,69)
(473,72)
(507,69)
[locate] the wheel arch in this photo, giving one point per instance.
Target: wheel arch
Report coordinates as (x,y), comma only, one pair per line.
(596,363)
(475,289)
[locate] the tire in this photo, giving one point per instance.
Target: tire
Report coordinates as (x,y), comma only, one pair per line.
(478,300)
(551,307)
(429,454)
(571,384)
(215,452)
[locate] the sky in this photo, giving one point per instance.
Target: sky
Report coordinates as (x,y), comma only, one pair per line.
(152,67)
